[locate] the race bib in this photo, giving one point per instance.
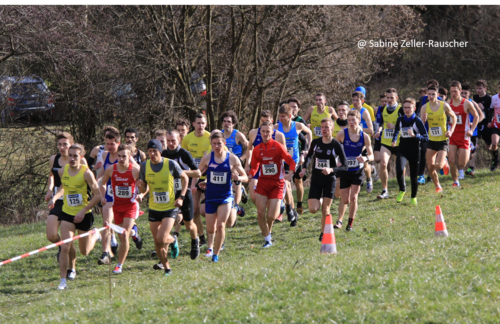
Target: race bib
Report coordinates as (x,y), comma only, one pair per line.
(74,200)
(290,150)
(218,177)
(161,197)
(317,131)
(269,169)
(177,185)
(55,191)
(436,131)
(123,192)
(459,119)
(405,133)
(110,191)
(498,118)
(352,162)
(388,133)
(197,162)
(322,163)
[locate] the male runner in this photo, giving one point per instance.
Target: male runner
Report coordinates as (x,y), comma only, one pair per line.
(317,113)
(175,152)
(123,176)
(268,157)
(299,181)
(237,144)
(221,168)
(77,210)
(339,125)
(387,122)
(291,130)
(110,156)
(434,112)
(483,100)
(182,126)
(95,159)
(494,126)
(198,144)
(365,105)
(255,138)
(355,141)
(158,175)
(131,138)
(56,162)
(466,89)
(378,116)
(324,153)
(357,100)
(161,135)
(460,139)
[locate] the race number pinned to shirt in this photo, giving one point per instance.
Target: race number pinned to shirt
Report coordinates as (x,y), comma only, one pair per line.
(322,163)
(498,118)
(388,133)
(436,131)
(290,150)
(110,190)
(74,200)
(161,197)
(123,192)
(269,169)
(56,189)
(197,162)
(317,131)
(405,133)
(218,177)
(177,184)
(352,162)
(459,119)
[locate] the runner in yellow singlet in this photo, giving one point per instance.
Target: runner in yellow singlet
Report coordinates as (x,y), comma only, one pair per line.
(434,112)
(317,113)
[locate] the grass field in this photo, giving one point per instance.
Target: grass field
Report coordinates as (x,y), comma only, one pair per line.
(390,269)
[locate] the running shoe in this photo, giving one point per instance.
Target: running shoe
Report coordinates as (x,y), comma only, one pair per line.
(104,259)
(348,228)
(174,249)
(240,211)
(58,253)
(421,180)
(470,171)
(400,196)
(137,240)
(209,253)
(279,218)
(70,274)
(244,195)
(429,179)
(117,270)
(158,266)
(321,237)
(114,249)
(293,223)
(290,214)
(456,184)
(168,272)
(267,245)
(97,234)
(446,168)
(369,187)
(494,165)
(195,248)
(383,195)
(62,286)
(461,176)
(338,224)
(438,190)
(414,201)
(153,254)
(215,258)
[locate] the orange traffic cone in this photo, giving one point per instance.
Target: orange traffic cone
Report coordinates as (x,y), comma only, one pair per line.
(440,224)
(328,244)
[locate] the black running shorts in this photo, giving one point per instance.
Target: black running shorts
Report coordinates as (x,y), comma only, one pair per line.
(85,225)
(322,188)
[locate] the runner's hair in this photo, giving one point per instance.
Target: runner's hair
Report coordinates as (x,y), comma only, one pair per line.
(77,146)
(358,94)
(161,132)
(65,135)
(113,134)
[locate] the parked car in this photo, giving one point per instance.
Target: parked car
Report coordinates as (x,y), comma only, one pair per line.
(24,96)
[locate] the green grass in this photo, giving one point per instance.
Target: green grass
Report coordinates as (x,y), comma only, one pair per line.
(386,271)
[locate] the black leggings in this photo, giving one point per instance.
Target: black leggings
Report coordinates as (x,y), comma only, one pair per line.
(413,157)
(423,161)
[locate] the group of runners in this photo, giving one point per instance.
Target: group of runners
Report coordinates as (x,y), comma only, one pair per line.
(190,175)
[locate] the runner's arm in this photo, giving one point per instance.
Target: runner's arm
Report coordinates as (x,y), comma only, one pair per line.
(423,136)
(339,151)
(448,111)
(369,149)
(88,176)
(50,179)
(177,173)
(396,130)
(286,156)
(142,179)
(301,127)
(59,192)
(187,158)
(308,113)
(472,110)
(240,138)
(308,157)
(368,121)
(479,111)
(107,174)
(254,164)
(242,176)
(333,113)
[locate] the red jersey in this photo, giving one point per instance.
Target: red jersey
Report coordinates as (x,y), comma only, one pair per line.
(270,157)
(123,185)
(463,124)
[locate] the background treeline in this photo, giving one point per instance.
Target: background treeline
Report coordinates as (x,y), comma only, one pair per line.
(145,66)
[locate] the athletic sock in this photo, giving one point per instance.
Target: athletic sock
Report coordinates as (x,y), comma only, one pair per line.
(495,155)
(457,182)
(351,220)
(369,180)
(133,234)
(63,281)
(176,234)
(461,173)
(288,208)
(268,238)
(114,242)
(299,204)
(119,265)
(202,238)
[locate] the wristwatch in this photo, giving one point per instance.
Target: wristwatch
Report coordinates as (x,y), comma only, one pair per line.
(182,197)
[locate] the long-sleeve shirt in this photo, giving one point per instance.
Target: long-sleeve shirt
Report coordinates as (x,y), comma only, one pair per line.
(270,156)
(417,126)
(324,155)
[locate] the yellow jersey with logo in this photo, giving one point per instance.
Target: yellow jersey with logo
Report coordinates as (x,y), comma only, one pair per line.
(316,119)
(336,129)
(75,191)
(386,132)
(369,108)
(161,187)
(437,123)
(197,146)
